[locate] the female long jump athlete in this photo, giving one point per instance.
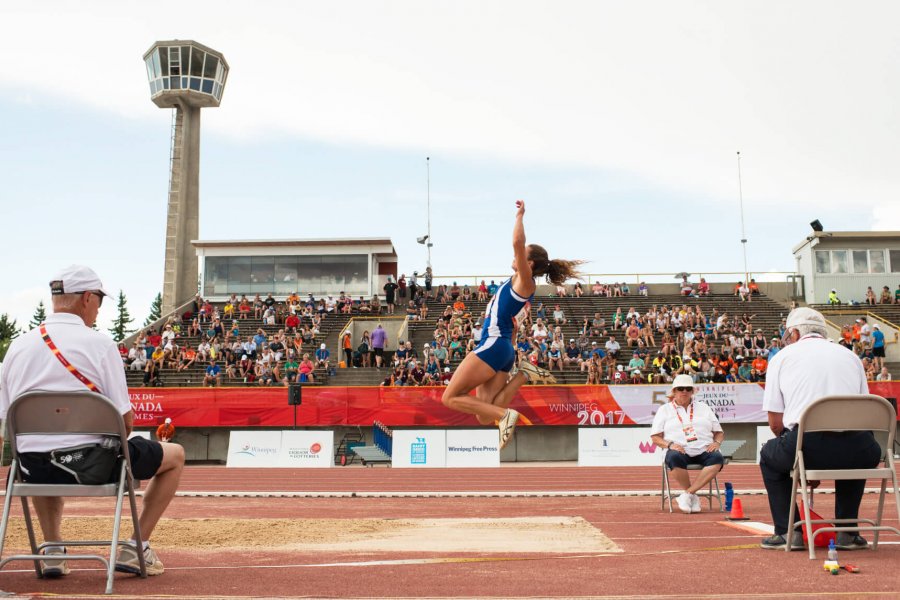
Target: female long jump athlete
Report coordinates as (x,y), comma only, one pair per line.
(487,369)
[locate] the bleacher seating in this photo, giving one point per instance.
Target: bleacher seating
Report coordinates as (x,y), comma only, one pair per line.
(767,316)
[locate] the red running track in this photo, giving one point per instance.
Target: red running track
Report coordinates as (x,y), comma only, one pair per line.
(665,555)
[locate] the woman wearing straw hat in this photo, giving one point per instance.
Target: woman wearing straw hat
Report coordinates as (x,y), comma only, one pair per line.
(690,432)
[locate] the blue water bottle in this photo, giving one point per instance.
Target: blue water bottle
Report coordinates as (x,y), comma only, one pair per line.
(729,496)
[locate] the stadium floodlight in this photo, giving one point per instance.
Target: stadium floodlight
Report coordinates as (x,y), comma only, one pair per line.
(817,226)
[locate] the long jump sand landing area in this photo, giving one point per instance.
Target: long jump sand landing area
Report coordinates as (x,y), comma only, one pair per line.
(558,535)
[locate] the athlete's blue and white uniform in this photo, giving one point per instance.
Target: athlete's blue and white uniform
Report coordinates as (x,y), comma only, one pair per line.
(500,324)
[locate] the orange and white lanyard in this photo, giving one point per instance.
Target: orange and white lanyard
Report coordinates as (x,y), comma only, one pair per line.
(69,366)
(690,416)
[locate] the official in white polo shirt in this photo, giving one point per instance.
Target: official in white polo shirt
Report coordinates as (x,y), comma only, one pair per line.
(690,432)
(38,361)
(807,368)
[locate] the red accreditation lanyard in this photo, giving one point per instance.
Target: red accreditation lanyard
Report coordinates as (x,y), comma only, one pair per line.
(688,429)
(69,366)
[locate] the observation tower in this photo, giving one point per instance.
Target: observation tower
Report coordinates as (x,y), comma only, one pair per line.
(186,76)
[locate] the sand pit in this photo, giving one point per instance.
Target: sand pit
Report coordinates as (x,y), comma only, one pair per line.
(495,535)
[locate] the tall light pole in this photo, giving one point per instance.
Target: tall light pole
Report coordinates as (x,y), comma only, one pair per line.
(428,243)
(743,231)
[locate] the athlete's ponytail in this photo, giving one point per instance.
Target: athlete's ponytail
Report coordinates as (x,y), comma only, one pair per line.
(556,271)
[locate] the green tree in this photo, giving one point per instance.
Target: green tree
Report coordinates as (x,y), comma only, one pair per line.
(155,310)
(119,329)
(9,330)
(40,315)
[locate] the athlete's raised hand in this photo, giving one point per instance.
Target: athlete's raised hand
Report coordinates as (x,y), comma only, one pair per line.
(520,206)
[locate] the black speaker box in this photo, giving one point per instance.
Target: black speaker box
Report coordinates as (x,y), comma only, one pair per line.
(295,394)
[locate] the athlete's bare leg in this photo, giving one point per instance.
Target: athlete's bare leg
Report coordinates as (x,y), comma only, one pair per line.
(472,373)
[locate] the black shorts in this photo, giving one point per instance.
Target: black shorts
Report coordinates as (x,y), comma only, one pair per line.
(878,352)
(146,457)
(677,460)
(379,351)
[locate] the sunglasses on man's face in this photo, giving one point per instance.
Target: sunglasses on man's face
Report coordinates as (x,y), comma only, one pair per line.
(684,389)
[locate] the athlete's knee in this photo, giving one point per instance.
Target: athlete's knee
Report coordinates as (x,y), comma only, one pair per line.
(448,399)
(173,456)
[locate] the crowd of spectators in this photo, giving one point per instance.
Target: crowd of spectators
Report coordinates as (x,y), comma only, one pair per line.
(628,346)
(867,341)
(227,353)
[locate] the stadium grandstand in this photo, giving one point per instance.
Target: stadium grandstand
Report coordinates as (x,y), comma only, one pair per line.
(690,332)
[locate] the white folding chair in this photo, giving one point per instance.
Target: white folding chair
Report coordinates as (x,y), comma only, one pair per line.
(58,413)
(863,412)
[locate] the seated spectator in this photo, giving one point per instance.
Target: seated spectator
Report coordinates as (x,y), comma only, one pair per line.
(643,290)
(292,322)
(151,374)
(596,289)
(559,316)
(700,447)
(636,378)
(578,291)
(619,376)
(753,287)
(703,287)
(213,376)
(743,291)
(687,288)
(188,357)
(870,296)
(636,362)
(375,305)
(305,370)
(554,357)
(884,375)
(138,357)
(572,354)
(633,335)
(833,297)
(322,356)
(885,295)
(612,347)
(561,291)
(760,365)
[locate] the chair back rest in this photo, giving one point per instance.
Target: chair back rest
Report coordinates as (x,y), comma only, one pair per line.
(60,413)
(851,412)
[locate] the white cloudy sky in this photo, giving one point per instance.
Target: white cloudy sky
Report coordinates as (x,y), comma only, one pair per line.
(618,122)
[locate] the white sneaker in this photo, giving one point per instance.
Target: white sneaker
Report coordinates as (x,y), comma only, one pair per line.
(507,426)
(684,502)
(695,503)
(54,568)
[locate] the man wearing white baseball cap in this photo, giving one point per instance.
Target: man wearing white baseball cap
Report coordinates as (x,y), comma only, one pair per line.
(807,368)
(64,354)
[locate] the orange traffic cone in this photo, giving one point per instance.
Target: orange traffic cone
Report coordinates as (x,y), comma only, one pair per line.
(737,511)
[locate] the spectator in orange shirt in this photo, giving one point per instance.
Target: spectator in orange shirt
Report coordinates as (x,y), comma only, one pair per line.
(760,364)
(754,288)
(166,431)
(459,305)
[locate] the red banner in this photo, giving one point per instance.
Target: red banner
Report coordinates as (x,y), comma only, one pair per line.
(328,406)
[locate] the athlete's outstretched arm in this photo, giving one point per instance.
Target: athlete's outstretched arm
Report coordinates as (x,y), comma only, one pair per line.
(520,252)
